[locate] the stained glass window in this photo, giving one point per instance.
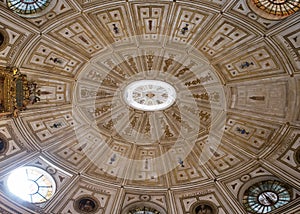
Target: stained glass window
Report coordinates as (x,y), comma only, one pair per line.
(31,184)
(266,196)
(27,6)
(278,7)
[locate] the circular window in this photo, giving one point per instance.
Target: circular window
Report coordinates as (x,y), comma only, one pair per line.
(265,196)
(31,184)
(149,95)
(274,9)
(31,8)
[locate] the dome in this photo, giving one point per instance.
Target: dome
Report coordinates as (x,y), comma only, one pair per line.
(151,107)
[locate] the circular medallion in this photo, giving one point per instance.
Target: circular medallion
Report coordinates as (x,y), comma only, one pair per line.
(149,95)
(145,198)
(204,207)
(245,178)
(265,196)
(86,205)
(51,170)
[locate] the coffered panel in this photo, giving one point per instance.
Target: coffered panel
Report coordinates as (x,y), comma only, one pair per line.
(224,36)
(55,59)
(113,22)
(80,35)
(255,60)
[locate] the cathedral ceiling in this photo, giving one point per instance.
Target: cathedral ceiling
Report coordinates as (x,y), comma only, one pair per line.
(234,119)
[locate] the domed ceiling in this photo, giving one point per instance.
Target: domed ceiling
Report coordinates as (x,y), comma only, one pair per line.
(172,107)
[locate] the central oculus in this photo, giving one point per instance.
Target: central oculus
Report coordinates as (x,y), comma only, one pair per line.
(149,95)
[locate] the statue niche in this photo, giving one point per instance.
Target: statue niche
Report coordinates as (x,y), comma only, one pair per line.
(16,92)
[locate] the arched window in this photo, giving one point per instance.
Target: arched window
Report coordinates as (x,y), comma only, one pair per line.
(31,184)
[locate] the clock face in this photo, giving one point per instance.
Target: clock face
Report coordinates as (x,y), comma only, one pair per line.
(266,196)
